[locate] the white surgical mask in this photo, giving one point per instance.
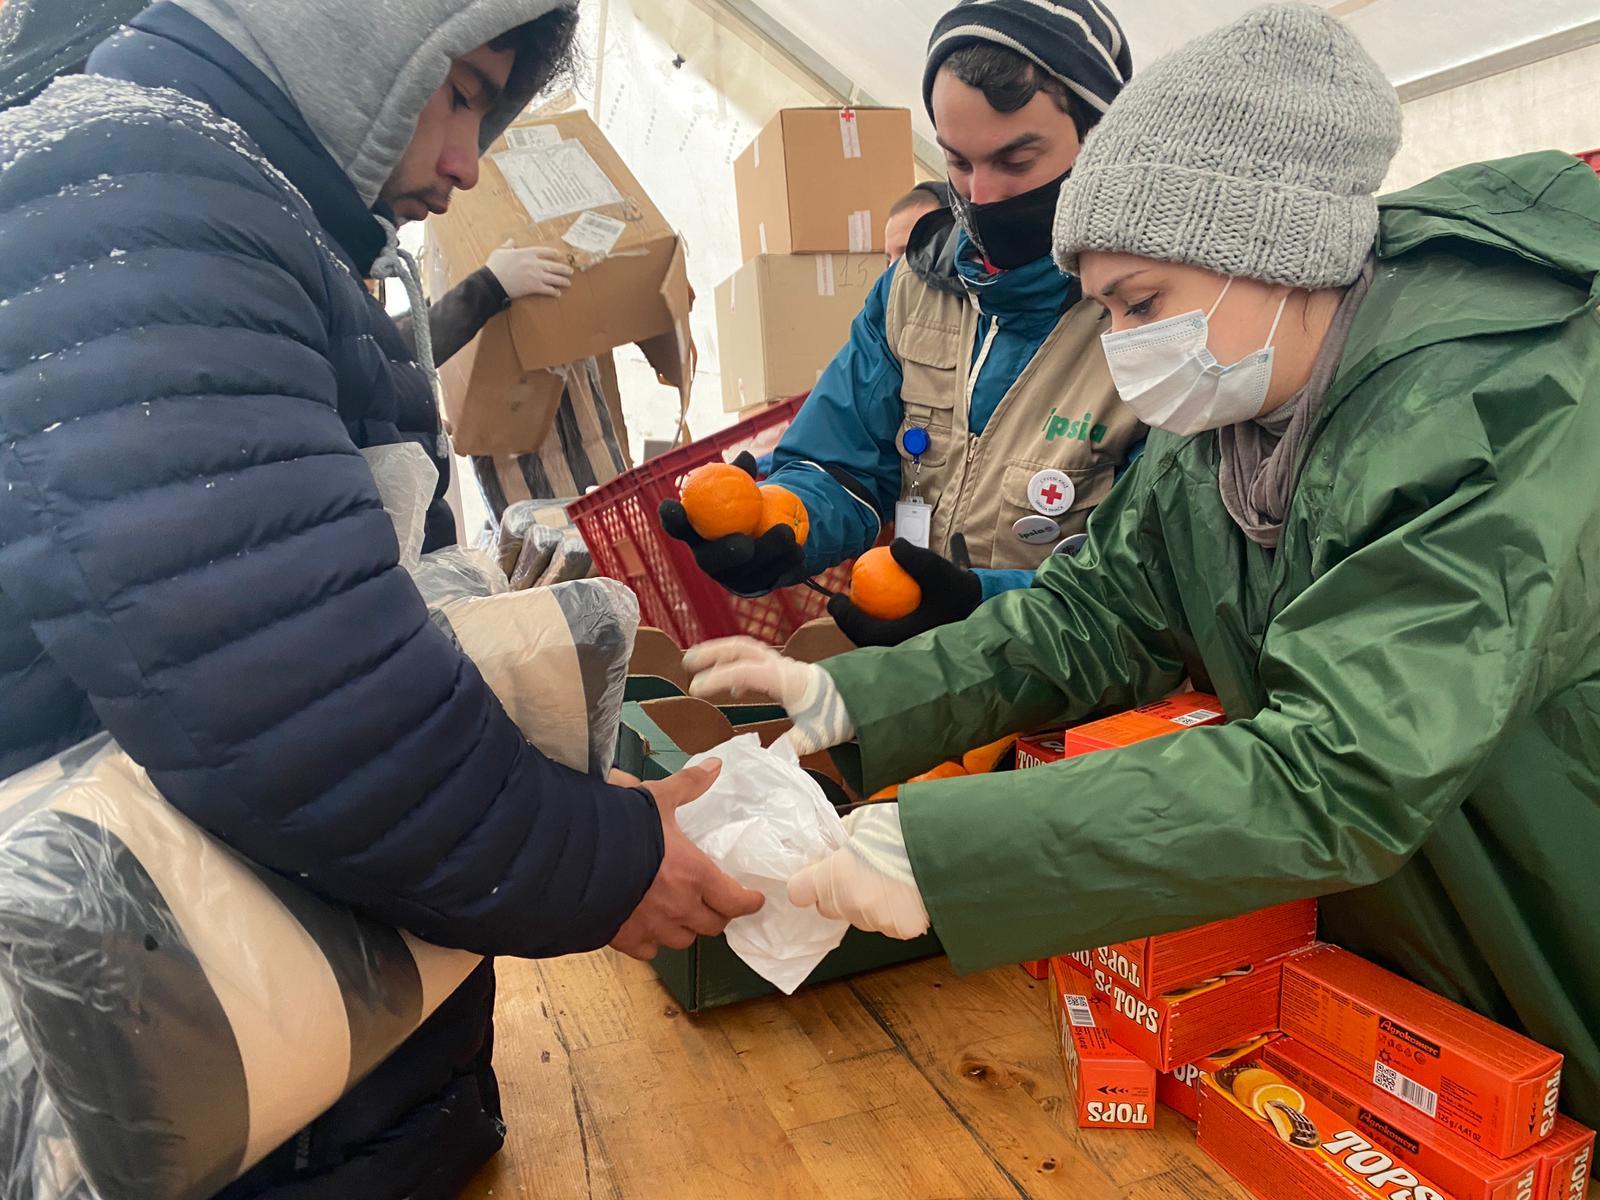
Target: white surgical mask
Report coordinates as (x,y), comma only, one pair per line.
(1167,375)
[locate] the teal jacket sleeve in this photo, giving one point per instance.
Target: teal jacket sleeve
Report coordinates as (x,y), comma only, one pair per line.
(995,580)
(848,425)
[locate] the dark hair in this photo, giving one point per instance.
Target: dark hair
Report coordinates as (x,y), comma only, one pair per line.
(920,196)
(546,48)
(1009,81)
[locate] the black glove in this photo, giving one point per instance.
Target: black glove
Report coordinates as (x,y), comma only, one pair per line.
(745,565)
(949,593)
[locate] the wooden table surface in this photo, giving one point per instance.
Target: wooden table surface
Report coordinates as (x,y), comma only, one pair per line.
(907,1082)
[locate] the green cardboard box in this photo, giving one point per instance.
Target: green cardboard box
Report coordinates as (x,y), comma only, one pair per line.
(709,973)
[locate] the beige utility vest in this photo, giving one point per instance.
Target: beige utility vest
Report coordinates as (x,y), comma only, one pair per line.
(1062,412)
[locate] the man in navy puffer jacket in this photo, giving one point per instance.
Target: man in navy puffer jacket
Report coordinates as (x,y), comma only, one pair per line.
(193,555)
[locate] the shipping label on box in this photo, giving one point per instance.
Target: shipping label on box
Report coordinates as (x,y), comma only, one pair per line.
(557,182)
(1116,1089)
(781,319)
(1481,1080)
(1464,1169)
(1280,1143)
(822,180)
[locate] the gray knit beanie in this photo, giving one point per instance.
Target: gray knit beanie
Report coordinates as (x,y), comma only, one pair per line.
(1255,151)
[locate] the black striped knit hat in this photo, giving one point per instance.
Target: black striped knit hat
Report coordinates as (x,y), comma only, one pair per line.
(1077,41)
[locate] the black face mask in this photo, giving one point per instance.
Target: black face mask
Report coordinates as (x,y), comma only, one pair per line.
(1013,232)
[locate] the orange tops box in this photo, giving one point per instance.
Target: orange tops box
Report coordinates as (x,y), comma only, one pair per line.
(1172,715)
(1568,1156)
(1154,966)
(1280,1143)
(1481,1080)
(1185,1026)
(822,180)
(1116,1088)
(1466,1171)
(1179,1089)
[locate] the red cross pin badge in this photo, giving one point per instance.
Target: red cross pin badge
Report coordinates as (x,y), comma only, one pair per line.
(1051,492)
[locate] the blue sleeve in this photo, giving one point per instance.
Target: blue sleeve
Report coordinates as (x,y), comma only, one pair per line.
(195,541)
(997,580)
(850,422)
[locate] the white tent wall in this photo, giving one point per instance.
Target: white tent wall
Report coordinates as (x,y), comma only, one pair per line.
(1546,105)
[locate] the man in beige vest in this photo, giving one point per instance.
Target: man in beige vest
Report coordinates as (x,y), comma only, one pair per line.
(973,397)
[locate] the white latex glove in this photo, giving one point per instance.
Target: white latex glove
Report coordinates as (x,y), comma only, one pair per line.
(869,882)
(533,271)
(742,668)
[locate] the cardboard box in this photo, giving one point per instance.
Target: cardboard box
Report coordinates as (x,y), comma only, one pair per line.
(1172,715)
(1185,1026)
(1567,1159)
(822,180)
(557,182)
(1309,1154)
(1179,1089)
(1481,1080)
(1155,966)
(1037,968)
(1464,1170)
(781,319)
(656,668)
(1116,1089)
(708,974)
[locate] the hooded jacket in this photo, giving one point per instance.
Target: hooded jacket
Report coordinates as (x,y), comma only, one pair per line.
(193,554)
(1412,680)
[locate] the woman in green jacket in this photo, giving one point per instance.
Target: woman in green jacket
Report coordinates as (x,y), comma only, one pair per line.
(1374,533)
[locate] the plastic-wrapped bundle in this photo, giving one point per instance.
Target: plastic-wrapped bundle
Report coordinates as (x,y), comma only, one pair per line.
(538,548)
(572,560)
(188,1011)
(454,573)
(515,523)
(558,659)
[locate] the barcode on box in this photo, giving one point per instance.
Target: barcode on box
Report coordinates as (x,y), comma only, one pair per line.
(1412,1092)
(1198,717)
(1079,1012)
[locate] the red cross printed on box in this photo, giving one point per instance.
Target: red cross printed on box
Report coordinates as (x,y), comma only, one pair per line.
(848,114)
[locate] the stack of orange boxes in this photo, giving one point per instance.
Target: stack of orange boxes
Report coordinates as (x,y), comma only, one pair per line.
(1381,1088)
(1147,1011)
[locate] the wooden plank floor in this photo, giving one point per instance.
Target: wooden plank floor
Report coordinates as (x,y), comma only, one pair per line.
(905,1083)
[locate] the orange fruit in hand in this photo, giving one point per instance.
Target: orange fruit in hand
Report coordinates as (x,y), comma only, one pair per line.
(720,499)
(780,506)
(880,587)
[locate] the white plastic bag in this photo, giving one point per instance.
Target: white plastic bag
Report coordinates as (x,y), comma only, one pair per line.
(763,821)
(406,479)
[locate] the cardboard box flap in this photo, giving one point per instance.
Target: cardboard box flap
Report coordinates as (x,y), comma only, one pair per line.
(655,653)
(673,353)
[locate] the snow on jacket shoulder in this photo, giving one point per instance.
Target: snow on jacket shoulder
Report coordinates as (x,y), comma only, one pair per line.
(191,541)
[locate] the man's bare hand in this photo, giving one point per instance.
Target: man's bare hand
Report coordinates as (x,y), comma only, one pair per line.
(690,896)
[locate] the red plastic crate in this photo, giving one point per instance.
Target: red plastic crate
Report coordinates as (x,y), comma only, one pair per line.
(618,520)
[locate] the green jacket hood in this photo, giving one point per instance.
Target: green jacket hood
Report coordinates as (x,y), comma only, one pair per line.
(1488,248)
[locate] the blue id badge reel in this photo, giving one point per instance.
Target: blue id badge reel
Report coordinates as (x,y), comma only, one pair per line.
(913,516)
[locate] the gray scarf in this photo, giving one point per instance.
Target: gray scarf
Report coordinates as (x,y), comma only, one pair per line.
(1260,464)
